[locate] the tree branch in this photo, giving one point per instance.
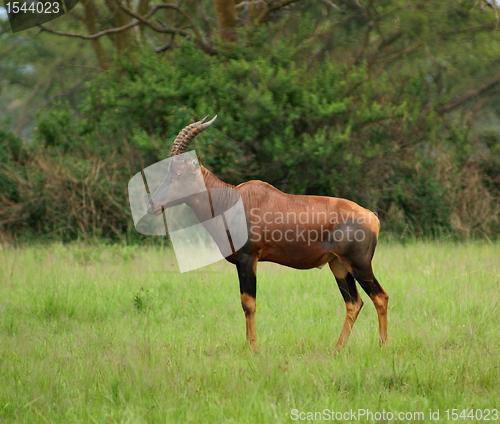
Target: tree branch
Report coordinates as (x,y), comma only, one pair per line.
(468,95)
(93,36)
(392,58)
(328,2)
(272,7)
(160,49)
(319,33)
(119,18)
(474,28)
(82,66)
(6,52)
(386,42)
(144,19)
(196,31)
(248,3)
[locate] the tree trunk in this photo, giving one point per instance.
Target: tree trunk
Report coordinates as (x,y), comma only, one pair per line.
(142,9)
(89,22)
(226,19)
(122,39)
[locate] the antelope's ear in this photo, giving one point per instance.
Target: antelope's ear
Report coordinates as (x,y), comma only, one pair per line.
(195,163)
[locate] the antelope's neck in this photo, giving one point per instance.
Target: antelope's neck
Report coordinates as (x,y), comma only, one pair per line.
(210,205)
(211,181)
(216,199)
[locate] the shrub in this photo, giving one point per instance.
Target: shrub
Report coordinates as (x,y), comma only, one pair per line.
(329,130)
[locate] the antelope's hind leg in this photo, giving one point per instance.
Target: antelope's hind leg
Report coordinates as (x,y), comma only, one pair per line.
(377,294)
(248,289)
(352,299)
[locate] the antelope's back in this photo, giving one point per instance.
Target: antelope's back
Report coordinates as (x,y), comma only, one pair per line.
(306,231)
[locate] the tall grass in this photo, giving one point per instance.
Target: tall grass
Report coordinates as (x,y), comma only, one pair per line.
(116,334)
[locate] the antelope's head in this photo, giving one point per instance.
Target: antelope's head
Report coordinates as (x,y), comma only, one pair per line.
(184,177)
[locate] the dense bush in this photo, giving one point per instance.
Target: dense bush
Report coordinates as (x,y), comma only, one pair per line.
(327,129)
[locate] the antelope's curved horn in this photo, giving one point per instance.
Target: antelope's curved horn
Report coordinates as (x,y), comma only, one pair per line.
(187,134)
(183,134)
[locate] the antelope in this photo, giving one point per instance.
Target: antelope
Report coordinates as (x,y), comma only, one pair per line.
(297,231)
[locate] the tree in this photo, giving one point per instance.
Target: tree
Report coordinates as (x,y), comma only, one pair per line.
(124,21)
(381,102)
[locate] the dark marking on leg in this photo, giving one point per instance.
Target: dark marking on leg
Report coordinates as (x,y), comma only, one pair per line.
(348,288)
(354,244)
(379,297)
(248,289)
(353,305)
(352,299)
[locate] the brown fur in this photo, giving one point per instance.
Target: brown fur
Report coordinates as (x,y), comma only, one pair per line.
(314,231)
(343,257)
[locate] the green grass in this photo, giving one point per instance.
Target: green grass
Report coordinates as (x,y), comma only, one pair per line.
(116,334)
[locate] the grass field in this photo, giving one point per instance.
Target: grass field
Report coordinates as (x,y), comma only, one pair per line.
(115,334)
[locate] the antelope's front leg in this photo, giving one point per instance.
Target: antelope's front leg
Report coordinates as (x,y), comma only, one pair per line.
(248,289)
(248,304)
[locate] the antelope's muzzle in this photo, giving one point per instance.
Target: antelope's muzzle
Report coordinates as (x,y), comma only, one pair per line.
(153,209)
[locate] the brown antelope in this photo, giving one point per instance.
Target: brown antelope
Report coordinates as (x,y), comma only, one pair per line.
(300,232)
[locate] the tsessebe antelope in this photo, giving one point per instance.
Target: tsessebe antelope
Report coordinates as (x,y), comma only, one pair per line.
(300,232)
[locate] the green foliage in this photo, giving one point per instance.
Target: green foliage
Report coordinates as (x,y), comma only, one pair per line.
(55,126)
(423,201)
(330,130)
(11,146)
(11,149)
(350,118)
(143,300)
